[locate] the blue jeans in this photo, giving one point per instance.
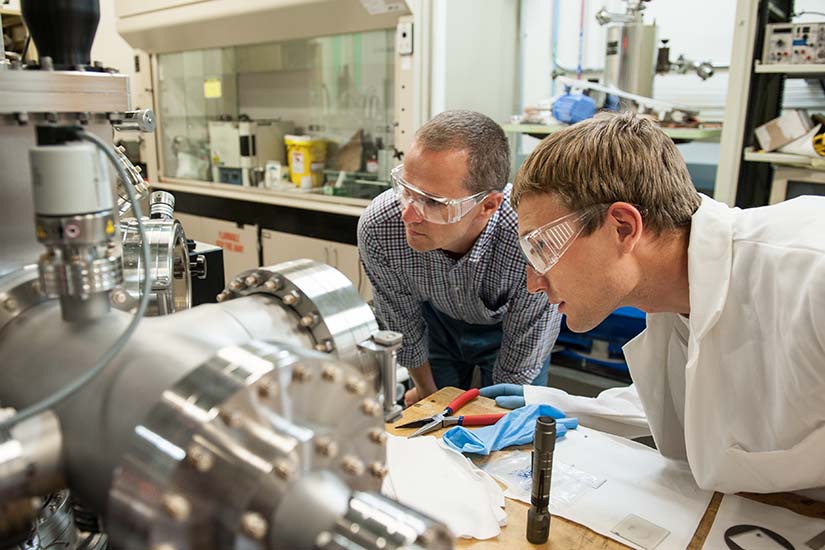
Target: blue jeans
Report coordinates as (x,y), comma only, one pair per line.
(457,348)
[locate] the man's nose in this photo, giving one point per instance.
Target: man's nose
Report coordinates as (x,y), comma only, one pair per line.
(410,214)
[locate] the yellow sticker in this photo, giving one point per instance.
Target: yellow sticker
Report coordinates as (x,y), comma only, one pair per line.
(212,88)
(41,233)
(110,227)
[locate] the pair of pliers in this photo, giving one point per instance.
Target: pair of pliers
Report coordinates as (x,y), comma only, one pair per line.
(445,418)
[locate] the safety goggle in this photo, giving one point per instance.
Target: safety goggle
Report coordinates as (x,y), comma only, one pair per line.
(544,245)
(433,208)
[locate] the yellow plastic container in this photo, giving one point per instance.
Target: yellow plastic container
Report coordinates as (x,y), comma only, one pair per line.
(307,156)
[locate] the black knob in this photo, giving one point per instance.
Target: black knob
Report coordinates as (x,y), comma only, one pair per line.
(63,29)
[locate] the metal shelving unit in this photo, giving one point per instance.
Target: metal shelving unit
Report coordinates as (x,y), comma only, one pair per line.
(791,71)
(755,95)
(785,159)
(674,133)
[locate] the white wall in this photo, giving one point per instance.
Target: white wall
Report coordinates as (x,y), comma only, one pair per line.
(109,48)
(474,56)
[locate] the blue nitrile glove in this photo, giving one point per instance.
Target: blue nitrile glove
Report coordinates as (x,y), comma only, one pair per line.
(515,428)
(509,396)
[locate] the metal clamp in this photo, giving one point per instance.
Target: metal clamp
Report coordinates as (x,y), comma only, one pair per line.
(383,346)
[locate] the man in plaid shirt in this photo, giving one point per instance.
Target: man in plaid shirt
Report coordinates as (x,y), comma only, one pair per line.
(441,251)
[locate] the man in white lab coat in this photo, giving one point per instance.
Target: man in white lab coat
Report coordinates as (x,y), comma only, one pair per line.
(731,368)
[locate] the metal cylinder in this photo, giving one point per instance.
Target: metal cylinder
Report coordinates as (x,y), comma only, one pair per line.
(538,516)
(630,57)
(142,120)
(76,310)
(70,179)
(73,203)
(161,205)
(374,521)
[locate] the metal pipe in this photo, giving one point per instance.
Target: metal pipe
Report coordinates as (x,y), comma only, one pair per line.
(538,516)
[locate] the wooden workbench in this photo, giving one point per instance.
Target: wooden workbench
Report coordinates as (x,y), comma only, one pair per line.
(565,534)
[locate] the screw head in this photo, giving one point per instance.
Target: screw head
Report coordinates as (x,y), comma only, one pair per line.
(222,297)
(291,299)
(235,285)
(266,388)
(230,418)
(323,538)
(10,304)
(300,374)
(352,465)
(176,506)
(325,347)
(200,458)
(254,525)
(272,284)
(324,446)
(370,407)
(377,436)
(378,470)
(330,373)
(309,320)
(284,470)
(355,385)
(119,297)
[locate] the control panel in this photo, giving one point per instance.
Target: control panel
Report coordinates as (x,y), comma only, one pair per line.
(794,43)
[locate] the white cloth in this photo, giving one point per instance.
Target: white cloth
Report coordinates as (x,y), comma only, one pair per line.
(746,406)
(639,481)
(734,510)
(617,410)
(442,483)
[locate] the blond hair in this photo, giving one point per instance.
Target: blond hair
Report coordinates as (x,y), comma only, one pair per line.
(609,158)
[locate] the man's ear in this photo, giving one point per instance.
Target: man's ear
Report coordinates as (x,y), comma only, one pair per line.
(626,224)
(491,203)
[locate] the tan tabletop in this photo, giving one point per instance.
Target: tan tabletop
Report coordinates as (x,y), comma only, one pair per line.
(565,534)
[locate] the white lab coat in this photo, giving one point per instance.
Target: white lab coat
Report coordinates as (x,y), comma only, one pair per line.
(746,406)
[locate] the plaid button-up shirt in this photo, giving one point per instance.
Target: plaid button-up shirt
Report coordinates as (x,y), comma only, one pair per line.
(486,286)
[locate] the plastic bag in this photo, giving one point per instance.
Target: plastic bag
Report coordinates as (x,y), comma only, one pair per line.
(568,483)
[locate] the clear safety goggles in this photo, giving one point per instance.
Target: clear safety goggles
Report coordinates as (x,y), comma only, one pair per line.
(544,245)
(432,208)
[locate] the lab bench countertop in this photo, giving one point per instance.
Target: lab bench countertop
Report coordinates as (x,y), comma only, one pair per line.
(565,534)
(306,201)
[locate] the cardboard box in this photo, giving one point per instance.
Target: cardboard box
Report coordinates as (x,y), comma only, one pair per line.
(791,125)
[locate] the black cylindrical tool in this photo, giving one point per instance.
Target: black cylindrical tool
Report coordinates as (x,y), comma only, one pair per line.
(538,516)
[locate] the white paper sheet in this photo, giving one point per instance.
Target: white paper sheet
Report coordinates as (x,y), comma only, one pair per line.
(735,510)
(638,481)
(445,485)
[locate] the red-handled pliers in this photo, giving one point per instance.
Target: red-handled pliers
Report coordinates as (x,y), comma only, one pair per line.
(445,418)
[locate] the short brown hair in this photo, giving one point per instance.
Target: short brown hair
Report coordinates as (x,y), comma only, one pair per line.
(488,151)
(609,158)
